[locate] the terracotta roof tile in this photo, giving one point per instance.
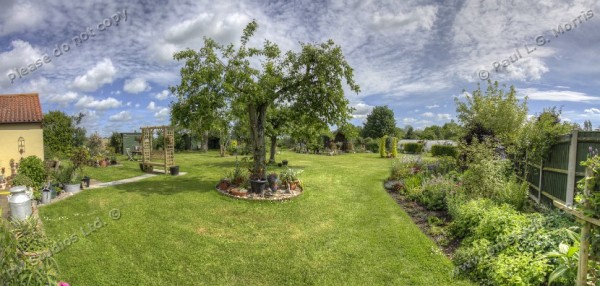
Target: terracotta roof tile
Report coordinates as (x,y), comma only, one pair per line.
(20,108)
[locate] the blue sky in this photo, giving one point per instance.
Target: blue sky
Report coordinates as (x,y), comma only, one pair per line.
(414,56)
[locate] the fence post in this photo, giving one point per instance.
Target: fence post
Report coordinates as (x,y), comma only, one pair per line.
(584,246)
(539,198)
(572,168)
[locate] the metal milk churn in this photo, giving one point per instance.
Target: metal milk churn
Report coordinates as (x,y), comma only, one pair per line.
(46,196)
(20,203)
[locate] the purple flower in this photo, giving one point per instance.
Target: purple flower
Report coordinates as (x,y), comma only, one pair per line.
(63,284)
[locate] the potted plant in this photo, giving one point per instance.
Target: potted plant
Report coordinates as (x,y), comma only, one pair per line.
(290,179)
(273,180)
(71,178)
(258,181)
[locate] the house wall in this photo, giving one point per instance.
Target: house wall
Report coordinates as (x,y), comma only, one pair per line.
(9,142)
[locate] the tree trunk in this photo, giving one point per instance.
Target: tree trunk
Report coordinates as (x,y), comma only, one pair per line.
(257,134)
(223,142)
(205,141)
(273,149)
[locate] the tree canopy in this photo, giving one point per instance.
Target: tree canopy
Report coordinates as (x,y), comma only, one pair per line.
(380,122)
(249,80)
(61,133)
(495,112)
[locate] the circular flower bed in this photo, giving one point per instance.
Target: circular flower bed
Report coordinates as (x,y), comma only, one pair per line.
(267,195)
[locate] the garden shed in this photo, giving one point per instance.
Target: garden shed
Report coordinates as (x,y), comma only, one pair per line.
(131,141)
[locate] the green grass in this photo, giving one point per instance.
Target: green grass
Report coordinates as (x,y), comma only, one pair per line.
(345,230)
(125,169)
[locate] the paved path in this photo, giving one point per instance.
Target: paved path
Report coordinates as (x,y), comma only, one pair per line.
(125,181)
(120,182)
(4,199)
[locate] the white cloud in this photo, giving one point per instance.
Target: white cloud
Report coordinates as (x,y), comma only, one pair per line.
(152,106)
(361,110)
(428,114)
(162,95)
(444,116)
(18,16)
(94,78)
(136,85)
(556,95)
(21,55)
(162,114)
(63,99)
(121,116)
(592,111)
(90,103)
(432,106)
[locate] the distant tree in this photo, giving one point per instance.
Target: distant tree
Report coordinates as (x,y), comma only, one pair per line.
(410,132)
(279,121)
(587,125)
(79,134)
(495,110)
(95,145)
(432,132)
(350,130)
(541,132)
(116,141)
(451,131)
(399,132)
(59,134)
(380,122)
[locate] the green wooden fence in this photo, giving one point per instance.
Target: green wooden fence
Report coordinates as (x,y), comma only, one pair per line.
(555,178)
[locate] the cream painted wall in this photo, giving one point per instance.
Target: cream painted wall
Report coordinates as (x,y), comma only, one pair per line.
(9,142)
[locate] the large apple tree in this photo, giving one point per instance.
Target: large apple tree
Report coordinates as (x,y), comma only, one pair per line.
(251,80)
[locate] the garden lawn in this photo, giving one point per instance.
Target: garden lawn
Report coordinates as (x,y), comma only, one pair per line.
(123,170)
(344,230)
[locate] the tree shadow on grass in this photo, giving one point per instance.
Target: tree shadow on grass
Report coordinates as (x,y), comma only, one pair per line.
(170,186)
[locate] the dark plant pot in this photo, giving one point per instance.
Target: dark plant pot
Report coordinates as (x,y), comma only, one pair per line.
(284,162)
(113,162)
(86,181)
(142,167)
(279,164)
(274,187)
(174,170)
(258,186)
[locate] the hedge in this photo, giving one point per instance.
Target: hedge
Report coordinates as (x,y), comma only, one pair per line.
(443,150)
(413,148)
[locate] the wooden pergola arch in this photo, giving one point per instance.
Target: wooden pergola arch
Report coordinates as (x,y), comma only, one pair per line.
(166,158)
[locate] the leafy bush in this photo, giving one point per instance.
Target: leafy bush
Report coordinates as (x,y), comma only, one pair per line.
(434,192)
(413,148)
(519,269)
(412,185)
(466,215)
(16,268)
(444,150)
(33,168)
(371,145)
(406,166)
(497,222)
(95,145)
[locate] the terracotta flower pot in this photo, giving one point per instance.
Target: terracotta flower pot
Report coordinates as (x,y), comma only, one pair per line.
(237,192)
